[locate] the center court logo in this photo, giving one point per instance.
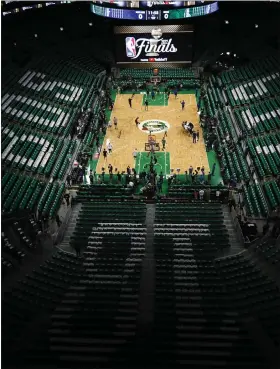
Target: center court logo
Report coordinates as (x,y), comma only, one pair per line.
(154,126)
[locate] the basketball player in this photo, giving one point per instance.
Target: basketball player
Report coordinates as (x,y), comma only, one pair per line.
(146,104)
(130,102)
(137,121)
(163,141)
(115,122)
(134,154)
(165,134)
(183,104)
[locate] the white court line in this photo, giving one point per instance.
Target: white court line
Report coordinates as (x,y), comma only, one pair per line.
(139,162)
(159,165)
(119,148)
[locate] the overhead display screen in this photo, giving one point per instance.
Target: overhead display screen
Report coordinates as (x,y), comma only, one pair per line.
(159,14)
(147,4)
(164,44)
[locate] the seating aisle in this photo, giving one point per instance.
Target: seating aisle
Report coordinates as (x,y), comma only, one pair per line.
(98,310)
(191,313)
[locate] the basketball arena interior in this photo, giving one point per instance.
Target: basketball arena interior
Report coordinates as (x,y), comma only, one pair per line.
(140,147)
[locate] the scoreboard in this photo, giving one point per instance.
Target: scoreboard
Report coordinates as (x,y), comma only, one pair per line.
(159,14)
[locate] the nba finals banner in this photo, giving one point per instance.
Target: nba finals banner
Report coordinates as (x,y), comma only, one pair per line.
(153,44)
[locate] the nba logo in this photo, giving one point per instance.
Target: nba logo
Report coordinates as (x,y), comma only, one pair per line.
(130,47)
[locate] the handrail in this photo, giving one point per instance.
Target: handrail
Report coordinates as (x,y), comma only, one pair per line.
(58,237)
(237,227)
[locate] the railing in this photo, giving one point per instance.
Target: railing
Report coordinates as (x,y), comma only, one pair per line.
(237,227)
(59,235)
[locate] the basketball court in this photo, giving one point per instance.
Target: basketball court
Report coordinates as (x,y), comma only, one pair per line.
(163,115)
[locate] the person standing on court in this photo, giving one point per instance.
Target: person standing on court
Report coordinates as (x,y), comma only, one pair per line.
(175,93)
(91,178)
(153,94)
(197,135)
(194,137)
(213,169)
(134,154)
(115,122)
(110,147)
(183,104)
(163,141)
(119,176)
(137,121)
(105,154)
(146,104)
(130,102)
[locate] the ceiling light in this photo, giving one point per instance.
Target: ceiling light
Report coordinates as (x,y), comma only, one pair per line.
(228,53)
(35,35)
(90,24)
(226,22)
(61,28)
(256,26)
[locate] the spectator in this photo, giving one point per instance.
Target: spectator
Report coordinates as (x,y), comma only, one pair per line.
(119,178)
(110,168)
(68,180)
(57,219)
(265,228)
(230,204)
(78,250)
(103,175)
(91,178)
(201,194)
(67,198)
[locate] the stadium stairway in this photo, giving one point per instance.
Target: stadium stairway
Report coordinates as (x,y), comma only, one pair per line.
(147,290)
(64,245)
(235,245)
(145,294)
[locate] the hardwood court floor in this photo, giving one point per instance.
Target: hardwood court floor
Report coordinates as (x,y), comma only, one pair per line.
(127,137)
